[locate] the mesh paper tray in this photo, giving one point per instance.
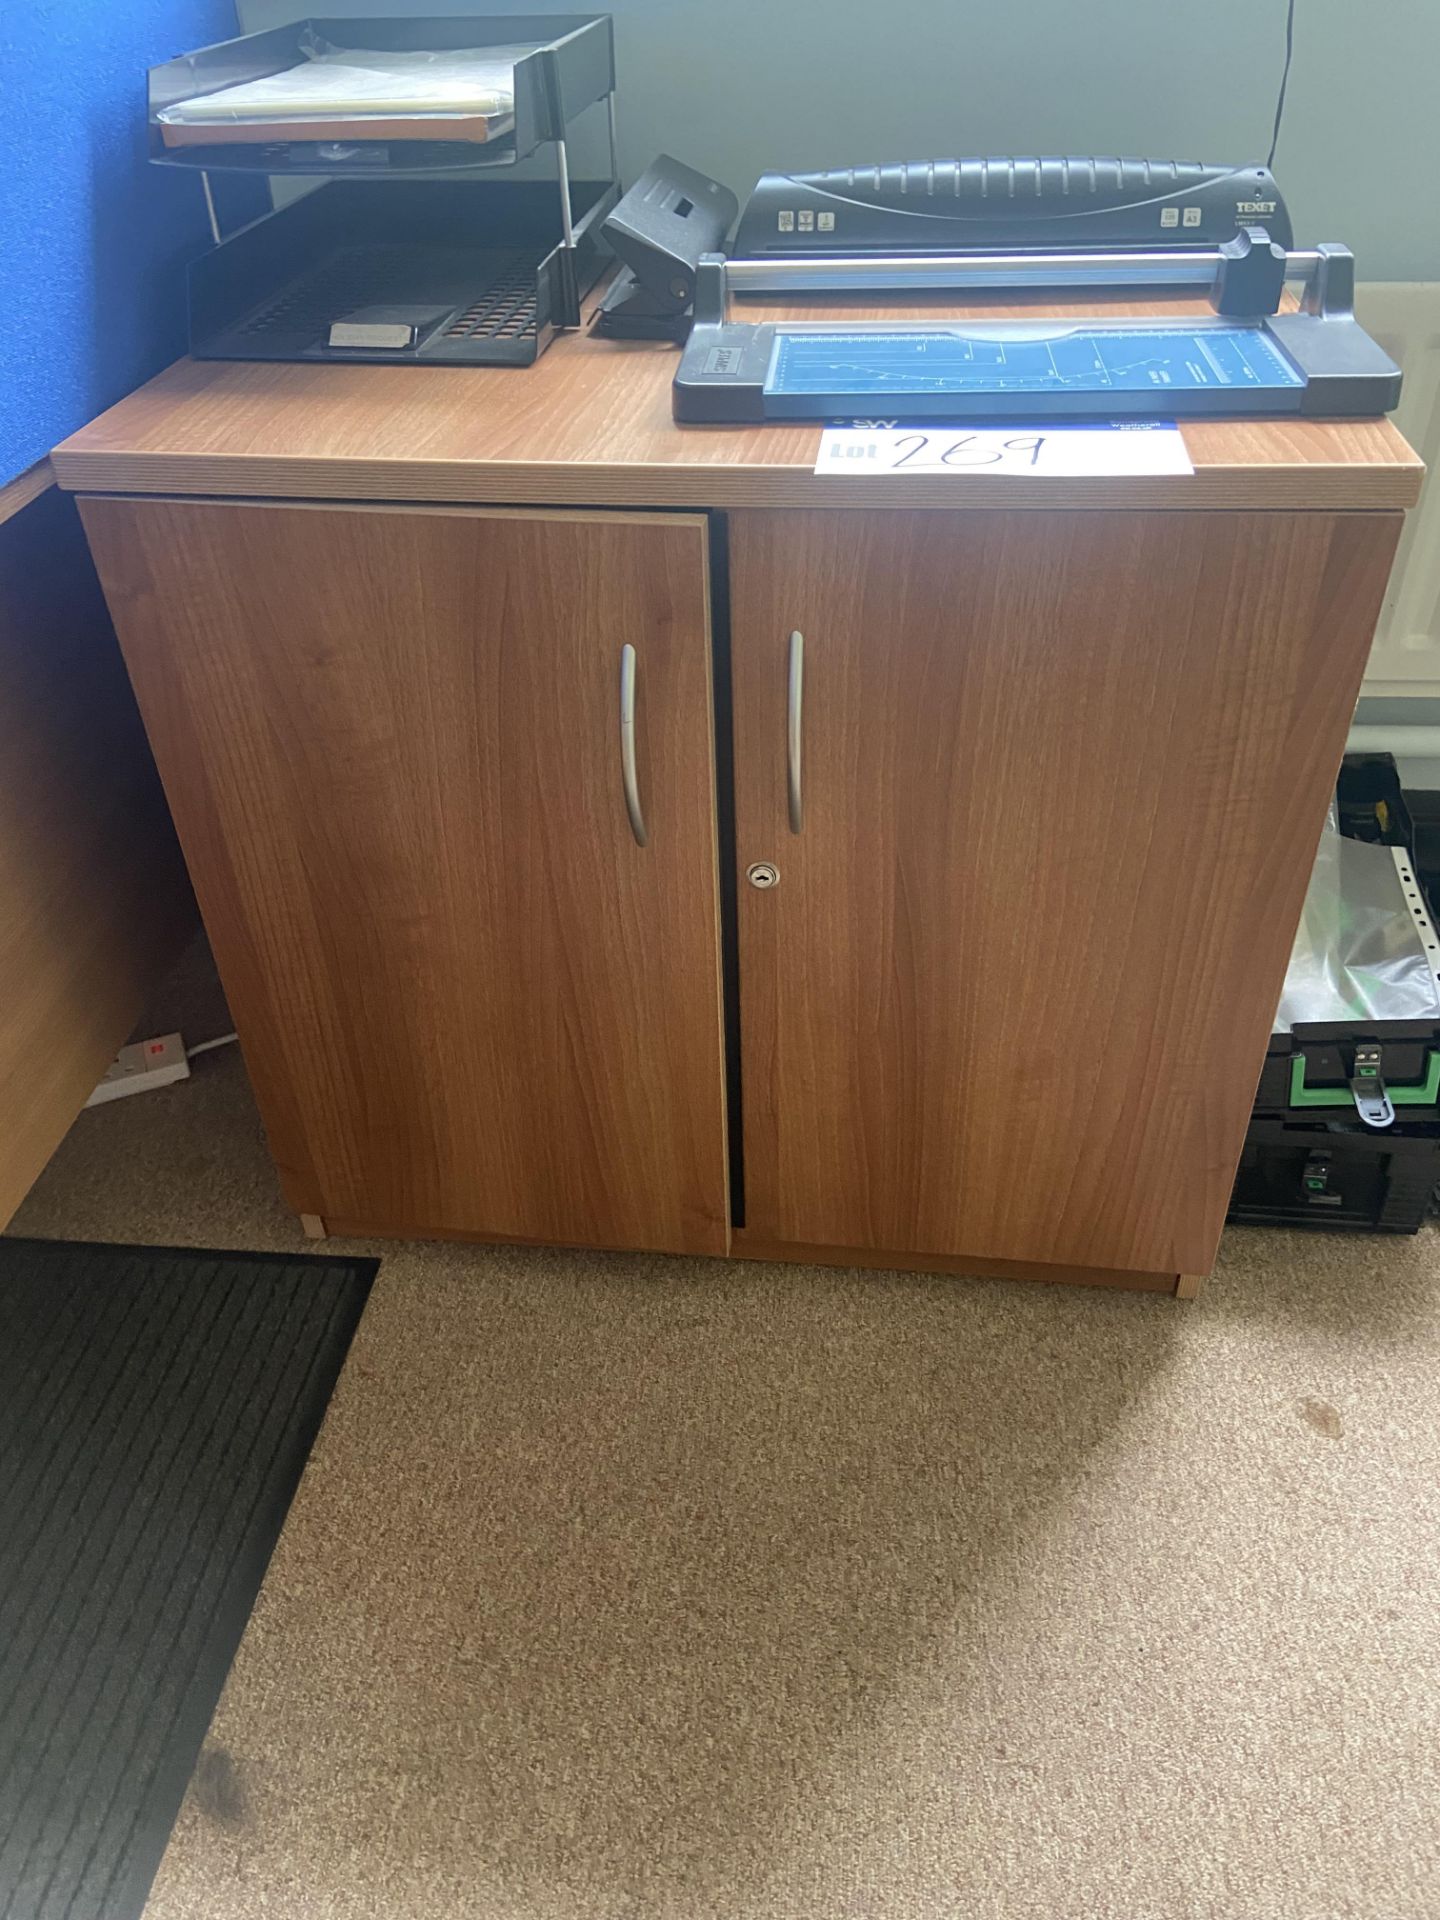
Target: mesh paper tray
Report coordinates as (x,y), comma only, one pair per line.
(478,262)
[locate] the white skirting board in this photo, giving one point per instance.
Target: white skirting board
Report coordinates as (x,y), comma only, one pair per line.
(1404,317)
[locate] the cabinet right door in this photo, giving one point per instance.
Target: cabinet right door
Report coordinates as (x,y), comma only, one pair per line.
(1057,784)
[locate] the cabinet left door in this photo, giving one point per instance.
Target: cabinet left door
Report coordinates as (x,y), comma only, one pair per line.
(472,1002)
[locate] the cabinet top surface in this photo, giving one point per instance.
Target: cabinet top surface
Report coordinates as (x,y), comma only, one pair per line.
(589,425)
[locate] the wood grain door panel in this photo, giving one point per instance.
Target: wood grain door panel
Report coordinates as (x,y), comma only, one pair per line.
(468,1000)
(1063,778)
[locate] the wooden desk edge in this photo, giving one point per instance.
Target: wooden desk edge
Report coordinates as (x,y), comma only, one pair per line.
(17,494)
(1331,488)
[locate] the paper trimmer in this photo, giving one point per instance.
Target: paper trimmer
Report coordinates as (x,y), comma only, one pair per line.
(1243,358)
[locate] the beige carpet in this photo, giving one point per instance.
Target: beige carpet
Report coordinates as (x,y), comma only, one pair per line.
(645,1588)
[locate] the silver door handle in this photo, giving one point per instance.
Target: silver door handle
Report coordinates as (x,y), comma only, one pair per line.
(794,791)
(627,746)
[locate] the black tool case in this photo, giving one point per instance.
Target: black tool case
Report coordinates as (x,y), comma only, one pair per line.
(1345,1132)
(412,251)
(1314,1166)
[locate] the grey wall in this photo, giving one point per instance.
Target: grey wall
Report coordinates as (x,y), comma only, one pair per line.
(735,86)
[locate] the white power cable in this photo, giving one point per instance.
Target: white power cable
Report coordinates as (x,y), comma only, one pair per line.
(209,1046)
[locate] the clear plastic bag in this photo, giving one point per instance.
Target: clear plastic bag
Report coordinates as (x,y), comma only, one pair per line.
(1358,954)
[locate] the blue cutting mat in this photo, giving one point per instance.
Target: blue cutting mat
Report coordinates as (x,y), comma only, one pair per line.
(1076,360)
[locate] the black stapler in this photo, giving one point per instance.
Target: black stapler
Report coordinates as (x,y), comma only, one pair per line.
(665,222)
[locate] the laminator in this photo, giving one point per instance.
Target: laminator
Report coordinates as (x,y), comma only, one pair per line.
(1076,204)
(844,230)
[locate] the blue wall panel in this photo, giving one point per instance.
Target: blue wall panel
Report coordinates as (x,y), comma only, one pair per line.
(93,239)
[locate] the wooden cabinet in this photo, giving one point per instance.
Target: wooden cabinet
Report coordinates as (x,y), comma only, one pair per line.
(470,1002)
(1065,746)
(1041,790)
(1061,777)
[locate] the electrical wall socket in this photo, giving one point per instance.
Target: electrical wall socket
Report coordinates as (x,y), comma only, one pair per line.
(147,1064)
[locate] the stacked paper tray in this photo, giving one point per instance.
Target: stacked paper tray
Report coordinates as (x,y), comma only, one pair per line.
(358,93)
(322,95)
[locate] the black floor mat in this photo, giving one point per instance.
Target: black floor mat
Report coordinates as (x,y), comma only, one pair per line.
(156,1409)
